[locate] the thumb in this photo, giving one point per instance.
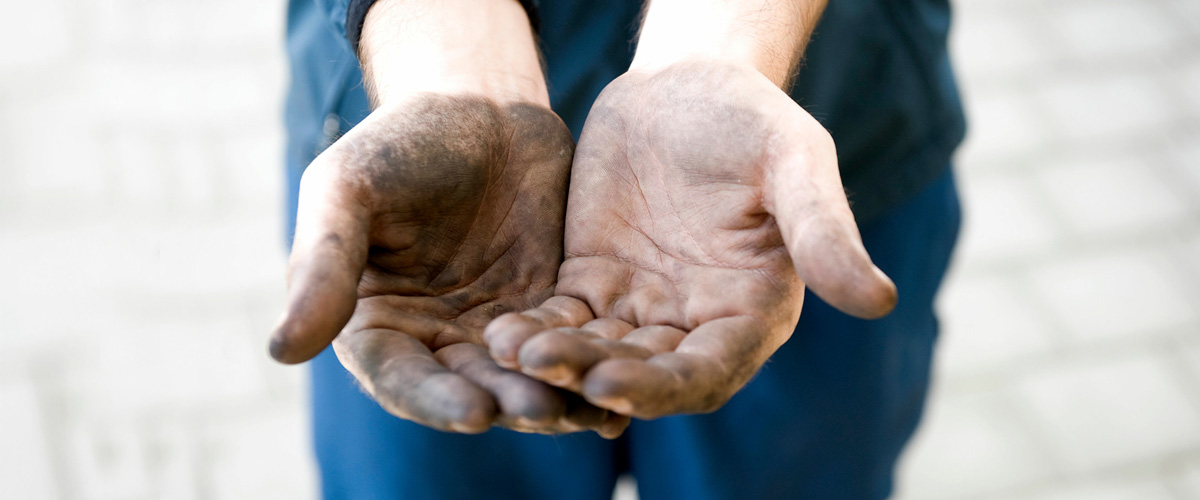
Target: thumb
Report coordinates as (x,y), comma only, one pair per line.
(804,193)
(328,256)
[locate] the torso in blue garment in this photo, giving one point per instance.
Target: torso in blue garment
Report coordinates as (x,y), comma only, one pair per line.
(876,74)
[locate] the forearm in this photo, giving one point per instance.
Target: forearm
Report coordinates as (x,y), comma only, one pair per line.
(483,47)
(767,34)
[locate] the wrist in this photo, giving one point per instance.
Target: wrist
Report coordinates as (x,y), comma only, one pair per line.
(480,47)
(767,35)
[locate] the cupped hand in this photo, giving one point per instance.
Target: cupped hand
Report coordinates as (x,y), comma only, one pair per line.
(702,201)
(415,229)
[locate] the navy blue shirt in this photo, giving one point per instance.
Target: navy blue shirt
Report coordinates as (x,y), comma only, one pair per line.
(876,74)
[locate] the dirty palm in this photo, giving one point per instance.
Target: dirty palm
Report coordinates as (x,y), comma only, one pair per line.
(414,230)
(702,201)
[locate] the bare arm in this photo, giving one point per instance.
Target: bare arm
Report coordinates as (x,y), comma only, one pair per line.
(483,47)
(768,35)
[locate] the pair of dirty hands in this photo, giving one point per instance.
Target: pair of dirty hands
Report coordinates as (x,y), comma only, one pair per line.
(697,205)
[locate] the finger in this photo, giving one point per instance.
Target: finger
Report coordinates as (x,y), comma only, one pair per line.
(711,364)
(613,426)
(527,405)
(830,258)
(808,202)
(407,380)
(582,415)
(524,403)
(561,356)
(505,334)
(328,256)
(609,328)
(656,338)
(653,388)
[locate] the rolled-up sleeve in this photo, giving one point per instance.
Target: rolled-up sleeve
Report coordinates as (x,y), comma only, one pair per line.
(347,16)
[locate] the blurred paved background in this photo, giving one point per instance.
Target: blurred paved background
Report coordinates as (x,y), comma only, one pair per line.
(141,256)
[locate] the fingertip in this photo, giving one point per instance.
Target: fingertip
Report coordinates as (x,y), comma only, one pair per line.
(523,402)
(279,350)
(501,324)
(613,426)
(885,296)
(557,358)
(466,408)
(535,404)
(610,383)
(282,349)
(506,356)
(871,298)
(562,310)
(469,413)
(832,261)
(297,339)
(505,335)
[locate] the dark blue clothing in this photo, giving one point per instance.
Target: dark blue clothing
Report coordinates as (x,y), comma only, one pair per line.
(828,415)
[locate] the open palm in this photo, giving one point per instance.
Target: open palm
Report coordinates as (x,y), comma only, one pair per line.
(416,229)
(702,200)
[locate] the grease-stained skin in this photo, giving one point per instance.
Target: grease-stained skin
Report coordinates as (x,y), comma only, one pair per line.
(702,200)
(418,227)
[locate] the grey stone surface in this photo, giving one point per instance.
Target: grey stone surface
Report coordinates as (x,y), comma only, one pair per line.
(1074,297)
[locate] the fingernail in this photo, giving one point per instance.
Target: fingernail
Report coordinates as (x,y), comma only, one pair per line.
(614,403)
(557,375)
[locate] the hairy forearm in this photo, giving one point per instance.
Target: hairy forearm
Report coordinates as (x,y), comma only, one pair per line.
(483,47)
(767,34)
